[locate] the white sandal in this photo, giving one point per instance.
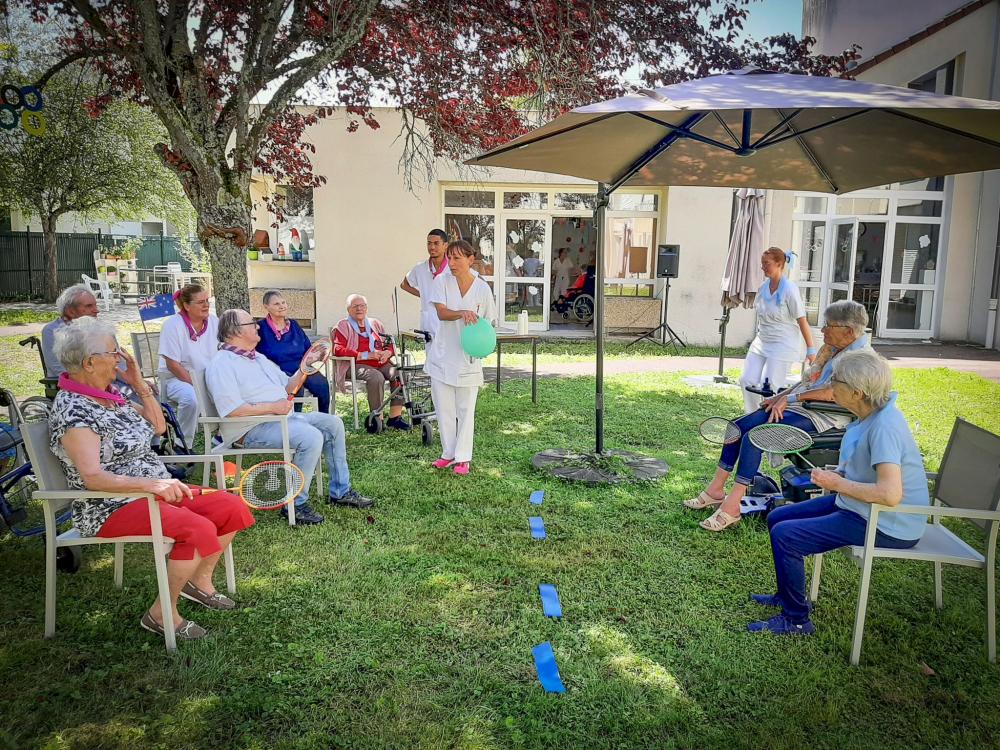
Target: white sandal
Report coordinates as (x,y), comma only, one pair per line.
(704,500)
(719,521)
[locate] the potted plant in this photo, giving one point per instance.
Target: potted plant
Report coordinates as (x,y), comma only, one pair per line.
(252,254)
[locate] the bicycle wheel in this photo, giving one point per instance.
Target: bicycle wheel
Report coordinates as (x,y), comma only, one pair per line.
(20,513)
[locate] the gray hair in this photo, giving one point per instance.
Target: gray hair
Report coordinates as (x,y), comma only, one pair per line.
(866,371)
(848,313)
(78,340)
(352,297)
(270,294)
(229,325)
(70,296)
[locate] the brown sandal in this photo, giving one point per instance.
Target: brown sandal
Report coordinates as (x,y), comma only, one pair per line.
(188,630)
(719,521)
(704,500)
(212,601)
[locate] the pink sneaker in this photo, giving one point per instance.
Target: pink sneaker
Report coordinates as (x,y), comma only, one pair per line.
(461,469)
(443,463)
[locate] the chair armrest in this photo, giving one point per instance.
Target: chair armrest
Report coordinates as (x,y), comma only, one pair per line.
(85,495)
(220,467)
(824,406)
(931,476)
(937,510)
(257,420)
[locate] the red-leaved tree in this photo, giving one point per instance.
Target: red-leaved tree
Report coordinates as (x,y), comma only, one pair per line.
(224,77)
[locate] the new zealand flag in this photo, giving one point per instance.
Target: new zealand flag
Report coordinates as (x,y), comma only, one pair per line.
(159,306)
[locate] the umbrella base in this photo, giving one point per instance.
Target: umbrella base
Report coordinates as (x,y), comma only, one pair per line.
(610,467)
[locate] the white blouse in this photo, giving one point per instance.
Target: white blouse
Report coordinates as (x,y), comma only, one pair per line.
(446,360)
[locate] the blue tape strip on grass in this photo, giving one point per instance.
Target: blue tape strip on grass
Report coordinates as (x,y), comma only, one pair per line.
(537,527)
(537,496)
(550,600)
(545,665)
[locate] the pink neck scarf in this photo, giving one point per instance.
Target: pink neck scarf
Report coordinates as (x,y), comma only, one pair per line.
(439,271)
(66,383)
(195,335)
(278,334)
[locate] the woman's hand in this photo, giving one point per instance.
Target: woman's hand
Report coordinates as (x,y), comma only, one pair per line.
(776,409)
(132,374)
(172,491)
(828,480)
(810,358)
(469,317)
(384,355)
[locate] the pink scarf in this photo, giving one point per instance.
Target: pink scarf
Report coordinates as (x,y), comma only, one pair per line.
(345,328)
(278,334)
(435,274)
(66,383)
(195,335)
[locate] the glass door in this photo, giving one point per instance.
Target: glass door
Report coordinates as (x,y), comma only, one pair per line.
(524,272)
(845,238)
(912,279)
(574,250)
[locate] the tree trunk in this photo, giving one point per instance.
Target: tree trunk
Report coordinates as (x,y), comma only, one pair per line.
(223,231)
(51,259)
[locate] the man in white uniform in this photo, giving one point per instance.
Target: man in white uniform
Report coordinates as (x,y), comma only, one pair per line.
(420,278)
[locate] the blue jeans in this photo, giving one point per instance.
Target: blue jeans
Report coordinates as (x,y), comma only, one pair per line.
(808,528)
(309,435)
(743,454)
(318,386)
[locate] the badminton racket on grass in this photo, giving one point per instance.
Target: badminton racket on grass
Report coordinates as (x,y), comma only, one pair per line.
(313,360)
(270,485)
(719,431)
(782,439)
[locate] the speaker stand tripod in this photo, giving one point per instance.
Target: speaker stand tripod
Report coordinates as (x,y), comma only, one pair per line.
(663,334)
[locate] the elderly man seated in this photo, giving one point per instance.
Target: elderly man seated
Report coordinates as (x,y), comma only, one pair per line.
(844,331)
(879,464)
(361,338)
(74,302)
(245,383)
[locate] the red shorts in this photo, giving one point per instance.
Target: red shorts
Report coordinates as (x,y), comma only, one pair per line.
(193,524)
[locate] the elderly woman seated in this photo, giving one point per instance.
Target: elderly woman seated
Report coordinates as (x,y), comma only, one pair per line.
(844,331)
(103,444)
(361,338)
(879,463)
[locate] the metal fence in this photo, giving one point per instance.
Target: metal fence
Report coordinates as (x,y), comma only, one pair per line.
(22,259)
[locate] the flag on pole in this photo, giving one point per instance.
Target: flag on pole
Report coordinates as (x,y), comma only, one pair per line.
(159,306)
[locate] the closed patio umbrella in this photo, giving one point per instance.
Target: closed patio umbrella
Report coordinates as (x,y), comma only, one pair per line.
(751,127)
(743,275)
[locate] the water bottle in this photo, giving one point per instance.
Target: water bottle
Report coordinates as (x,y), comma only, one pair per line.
(522,323)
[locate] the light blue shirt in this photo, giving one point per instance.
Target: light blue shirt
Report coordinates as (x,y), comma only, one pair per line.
(233,381)
(883,437)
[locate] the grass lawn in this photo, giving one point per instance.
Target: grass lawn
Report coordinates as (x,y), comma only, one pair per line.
(412,626)
(23,317)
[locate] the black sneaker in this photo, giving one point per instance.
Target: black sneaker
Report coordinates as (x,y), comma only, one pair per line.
(304,514)
(398,423)
(353,499)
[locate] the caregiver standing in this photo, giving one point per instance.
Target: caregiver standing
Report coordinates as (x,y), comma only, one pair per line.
(781,320)
(461,298)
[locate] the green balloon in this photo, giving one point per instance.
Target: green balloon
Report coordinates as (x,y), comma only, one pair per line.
(479,339)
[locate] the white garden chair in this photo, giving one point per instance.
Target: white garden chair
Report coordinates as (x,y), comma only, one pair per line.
(100,289)
(210,421)
(55,496)
(969,485)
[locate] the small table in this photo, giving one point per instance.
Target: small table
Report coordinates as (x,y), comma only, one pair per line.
(501,338)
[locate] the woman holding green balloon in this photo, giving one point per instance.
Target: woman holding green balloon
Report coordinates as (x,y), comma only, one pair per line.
(465,307)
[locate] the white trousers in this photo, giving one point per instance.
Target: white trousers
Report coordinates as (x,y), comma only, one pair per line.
(756,369)
(181,397)
(455,407)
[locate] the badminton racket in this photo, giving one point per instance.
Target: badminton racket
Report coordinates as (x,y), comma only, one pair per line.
(313,360)
(782,439)
(271,484)
(719,430)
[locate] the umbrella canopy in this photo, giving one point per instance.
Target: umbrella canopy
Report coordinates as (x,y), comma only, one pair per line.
(753,127)
(743,273)
(769,130)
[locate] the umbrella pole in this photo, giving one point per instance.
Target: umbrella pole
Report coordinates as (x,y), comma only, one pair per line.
(600,215)
(723,322)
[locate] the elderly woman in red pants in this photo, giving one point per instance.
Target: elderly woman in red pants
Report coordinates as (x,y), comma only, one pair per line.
(103,443)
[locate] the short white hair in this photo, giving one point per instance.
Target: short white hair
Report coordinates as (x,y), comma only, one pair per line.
(79,339)
(352,297)
(866,371)
(848,313)
(70,297)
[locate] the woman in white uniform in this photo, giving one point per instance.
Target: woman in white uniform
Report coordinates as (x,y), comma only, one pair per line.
(562,269)
(461,298)
(781,320)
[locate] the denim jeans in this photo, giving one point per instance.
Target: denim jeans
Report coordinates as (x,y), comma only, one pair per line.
(318,386)
(309,435)
(808,528)
(743,454)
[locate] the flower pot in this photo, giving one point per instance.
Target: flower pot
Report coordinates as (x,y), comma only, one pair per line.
(267,257)
(252,254)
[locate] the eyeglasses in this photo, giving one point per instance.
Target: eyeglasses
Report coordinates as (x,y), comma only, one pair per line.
(828,326)
(117,353)
(251,323)
(358,307)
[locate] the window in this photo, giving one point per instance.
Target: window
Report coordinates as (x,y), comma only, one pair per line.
(808,241)
(862,206)
(526,201)
(914,253)
(634,202)
(298,225)
(477,230)
(576,201)
(807,204)
(469,199)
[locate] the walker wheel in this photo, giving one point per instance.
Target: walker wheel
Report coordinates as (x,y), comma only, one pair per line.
(426,433)
(373,423)
(68,559)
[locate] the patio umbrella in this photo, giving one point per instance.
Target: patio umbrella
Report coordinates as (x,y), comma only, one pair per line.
(743,275)
(751,127)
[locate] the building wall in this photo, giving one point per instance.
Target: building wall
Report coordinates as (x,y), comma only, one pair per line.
(973,200)
(370,230)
